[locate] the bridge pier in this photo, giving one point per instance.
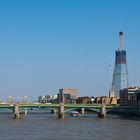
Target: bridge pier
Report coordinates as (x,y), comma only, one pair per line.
(16,112)
(82,111)
(61,113)
(26,112)
(102,113)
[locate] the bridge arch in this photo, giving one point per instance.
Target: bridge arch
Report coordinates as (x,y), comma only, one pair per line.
(93,109)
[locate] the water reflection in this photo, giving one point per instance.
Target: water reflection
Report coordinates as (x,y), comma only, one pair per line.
(43,125)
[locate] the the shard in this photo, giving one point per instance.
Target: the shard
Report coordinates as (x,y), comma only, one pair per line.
(120,74)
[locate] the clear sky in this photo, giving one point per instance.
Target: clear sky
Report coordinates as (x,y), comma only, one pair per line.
(50,44)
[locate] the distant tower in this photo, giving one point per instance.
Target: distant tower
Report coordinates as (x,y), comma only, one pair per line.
(120,74)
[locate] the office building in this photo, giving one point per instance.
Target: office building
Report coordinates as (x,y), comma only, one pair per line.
(67,95)
(120,74)
(130,97)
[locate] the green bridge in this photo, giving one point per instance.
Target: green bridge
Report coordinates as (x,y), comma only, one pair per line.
(56,108)
(61,109)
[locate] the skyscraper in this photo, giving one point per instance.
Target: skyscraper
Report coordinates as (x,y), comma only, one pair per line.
(120,74)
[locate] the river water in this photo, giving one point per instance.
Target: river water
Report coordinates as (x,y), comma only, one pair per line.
(46,126)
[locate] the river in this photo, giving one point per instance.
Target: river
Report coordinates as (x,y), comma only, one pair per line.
(46,126)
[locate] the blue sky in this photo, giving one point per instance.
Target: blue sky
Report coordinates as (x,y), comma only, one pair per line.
(50,44)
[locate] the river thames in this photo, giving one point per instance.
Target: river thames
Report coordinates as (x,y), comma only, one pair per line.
(46,126)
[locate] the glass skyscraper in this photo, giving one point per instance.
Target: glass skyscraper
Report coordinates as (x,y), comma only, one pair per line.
(120,74)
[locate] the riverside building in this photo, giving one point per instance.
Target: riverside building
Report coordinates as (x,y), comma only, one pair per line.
(69,95)
(130,97)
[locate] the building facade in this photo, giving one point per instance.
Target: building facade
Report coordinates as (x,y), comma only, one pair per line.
(47,99)
(64,98)
(67,95)
(71,91)
(130,97)
(85,100)
(106,100)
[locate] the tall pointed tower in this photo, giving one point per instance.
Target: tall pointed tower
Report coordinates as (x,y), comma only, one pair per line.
(120,74)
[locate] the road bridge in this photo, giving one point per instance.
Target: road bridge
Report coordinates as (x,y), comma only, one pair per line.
(61,109)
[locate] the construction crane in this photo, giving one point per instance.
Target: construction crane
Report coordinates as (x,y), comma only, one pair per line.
(121,40)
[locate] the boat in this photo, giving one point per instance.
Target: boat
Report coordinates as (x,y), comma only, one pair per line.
(75,113)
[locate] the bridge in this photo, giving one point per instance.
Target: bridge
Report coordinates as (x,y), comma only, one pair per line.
(61,108)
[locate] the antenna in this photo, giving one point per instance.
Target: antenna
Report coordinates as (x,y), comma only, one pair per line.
(121,40)
(111,91)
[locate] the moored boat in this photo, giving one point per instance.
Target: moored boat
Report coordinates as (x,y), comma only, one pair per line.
(75,113)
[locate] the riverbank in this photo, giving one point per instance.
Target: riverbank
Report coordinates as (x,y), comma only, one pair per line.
(126,111)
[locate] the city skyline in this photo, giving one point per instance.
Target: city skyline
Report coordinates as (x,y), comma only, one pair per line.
(48,45)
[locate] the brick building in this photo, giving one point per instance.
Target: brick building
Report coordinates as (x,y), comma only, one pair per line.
(69,95)
(130,97)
